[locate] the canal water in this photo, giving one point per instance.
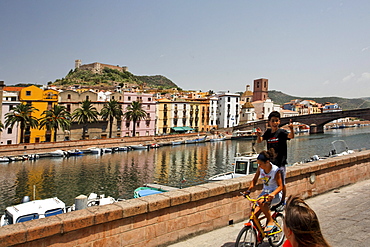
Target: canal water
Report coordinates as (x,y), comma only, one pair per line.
(118,174)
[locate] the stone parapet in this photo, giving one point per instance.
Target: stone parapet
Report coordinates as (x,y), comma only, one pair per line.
(161,219)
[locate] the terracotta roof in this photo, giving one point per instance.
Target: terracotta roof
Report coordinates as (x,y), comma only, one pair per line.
(13,89)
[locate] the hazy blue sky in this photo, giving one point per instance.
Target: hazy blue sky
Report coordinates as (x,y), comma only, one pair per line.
(304,48)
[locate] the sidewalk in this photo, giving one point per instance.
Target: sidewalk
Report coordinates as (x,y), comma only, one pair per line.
(344,217)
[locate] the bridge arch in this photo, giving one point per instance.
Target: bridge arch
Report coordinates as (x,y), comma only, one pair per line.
(315,121)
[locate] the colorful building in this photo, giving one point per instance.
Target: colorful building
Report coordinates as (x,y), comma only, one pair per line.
(41,100)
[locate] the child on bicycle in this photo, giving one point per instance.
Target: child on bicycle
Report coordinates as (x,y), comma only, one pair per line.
(270,175)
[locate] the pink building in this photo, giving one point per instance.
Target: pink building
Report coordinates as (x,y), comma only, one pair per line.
(10,99)
(144,127)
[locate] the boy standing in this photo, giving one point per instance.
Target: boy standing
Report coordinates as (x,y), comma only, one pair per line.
(277,139)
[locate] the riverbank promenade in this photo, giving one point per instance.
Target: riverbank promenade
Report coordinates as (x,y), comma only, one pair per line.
(344,217)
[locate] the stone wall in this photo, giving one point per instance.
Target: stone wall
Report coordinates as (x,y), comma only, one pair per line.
(161,219)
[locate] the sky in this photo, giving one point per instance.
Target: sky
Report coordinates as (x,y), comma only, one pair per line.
(304,48)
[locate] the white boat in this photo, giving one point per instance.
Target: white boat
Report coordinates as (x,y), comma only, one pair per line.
(31,210)
(217,139)
(4,159)
(58,153)
(107,150)
(243,165)
(94,150)
(243,135)
(138,147)
(339,148)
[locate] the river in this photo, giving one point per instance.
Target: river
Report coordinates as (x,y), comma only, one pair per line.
(118,174)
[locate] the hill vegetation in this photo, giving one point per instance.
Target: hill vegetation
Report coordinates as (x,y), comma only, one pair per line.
(111,77)
(346,104)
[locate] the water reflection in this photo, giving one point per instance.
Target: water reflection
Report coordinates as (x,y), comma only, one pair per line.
(118,174)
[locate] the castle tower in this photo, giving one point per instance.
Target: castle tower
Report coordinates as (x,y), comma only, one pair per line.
(260,90)
(77,63)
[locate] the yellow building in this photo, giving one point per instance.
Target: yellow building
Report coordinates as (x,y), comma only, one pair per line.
(41,100)
(182,115)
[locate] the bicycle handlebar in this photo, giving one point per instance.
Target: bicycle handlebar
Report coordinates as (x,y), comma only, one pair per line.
(264,197)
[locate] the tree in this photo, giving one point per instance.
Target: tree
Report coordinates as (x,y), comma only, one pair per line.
(22,114)
(135,113)
(85,115)
(1,126)
(111,110)
(57,117)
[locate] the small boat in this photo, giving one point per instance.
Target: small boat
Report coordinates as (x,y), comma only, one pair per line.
(217,139)
(75,152)
(122,148)
(243,165)
(107,150)
(243,135)
(176,143)
(139,147)
(339,148)
(58,153)
(155,145)
(31,210)
(4,159)
(198,140)
(147,191)
(94,150)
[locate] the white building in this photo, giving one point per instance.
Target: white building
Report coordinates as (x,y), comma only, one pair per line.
(213,111)
(228,110)
(264,108)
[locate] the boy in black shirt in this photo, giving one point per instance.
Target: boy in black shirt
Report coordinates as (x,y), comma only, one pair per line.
(277,139)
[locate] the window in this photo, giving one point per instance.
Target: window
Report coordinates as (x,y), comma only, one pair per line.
(69,108)
(87,97)
(28,93)
(129,98)
(10,130)
(68,96)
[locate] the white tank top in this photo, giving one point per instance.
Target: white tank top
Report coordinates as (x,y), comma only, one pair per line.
(268,179)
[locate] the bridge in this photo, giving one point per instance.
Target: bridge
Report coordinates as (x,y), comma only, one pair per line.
(315,121)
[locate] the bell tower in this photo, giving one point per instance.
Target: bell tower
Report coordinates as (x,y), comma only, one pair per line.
(260,90)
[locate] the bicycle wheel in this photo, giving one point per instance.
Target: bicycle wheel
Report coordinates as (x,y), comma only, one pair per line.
(278,238)
(247,237)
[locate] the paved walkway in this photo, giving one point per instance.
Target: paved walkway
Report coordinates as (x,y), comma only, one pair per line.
(344,216)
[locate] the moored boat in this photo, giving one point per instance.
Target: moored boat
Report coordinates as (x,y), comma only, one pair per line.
(31,210)
(147,191)
(243,165)
(139,147)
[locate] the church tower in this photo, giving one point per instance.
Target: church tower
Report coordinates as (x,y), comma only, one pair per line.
(260,90)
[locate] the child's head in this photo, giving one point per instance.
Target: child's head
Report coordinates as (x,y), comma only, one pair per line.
(301,224)
(274,120)
(266,156)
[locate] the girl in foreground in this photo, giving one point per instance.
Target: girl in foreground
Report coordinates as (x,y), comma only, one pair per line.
(270,175)
(301,226)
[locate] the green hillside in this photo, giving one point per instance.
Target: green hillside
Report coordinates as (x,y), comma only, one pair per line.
(346,104)
(110,77)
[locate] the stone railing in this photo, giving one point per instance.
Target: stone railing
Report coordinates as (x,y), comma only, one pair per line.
(161,219)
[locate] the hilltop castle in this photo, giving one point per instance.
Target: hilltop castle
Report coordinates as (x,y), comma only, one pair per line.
(97,68)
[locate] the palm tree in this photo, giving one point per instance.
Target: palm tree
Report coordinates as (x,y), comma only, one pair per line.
(1,126)
(135,113)
(111,110)
(22,114)
(57,117)
(85,115)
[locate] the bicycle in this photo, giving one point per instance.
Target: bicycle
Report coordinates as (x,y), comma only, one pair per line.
(252,234)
